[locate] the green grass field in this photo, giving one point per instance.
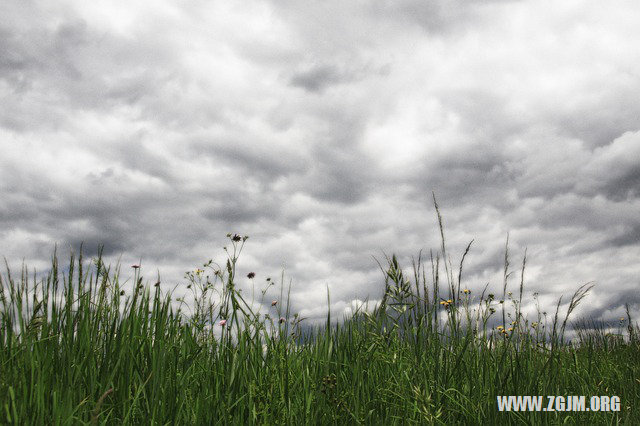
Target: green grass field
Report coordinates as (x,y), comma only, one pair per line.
(79,347)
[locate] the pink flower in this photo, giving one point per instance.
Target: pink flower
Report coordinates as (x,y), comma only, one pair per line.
(274,303)
(223,323)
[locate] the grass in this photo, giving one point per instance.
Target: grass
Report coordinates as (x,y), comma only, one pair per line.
(79,347)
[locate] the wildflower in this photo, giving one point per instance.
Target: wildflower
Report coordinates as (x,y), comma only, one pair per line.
(199,271)
(500,328)
(534,325)
(466,291)
(250,275)
(493,311)
(491,296)
(282,319)
(236,238)
(274,303)
(223,322)
(621,319)
(449,301)
(135,266)
(510,329)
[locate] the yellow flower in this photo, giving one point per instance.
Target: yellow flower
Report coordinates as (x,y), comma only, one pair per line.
(510,328)
(500,328)
(466,291)
(534,325)
(446,303)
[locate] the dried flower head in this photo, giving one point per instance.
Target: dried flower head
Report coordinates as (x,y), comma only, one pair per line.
(250,275)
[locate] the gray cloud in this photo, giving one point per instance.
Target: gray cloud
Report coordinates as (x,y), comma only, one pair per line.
(317,78)
(321,131)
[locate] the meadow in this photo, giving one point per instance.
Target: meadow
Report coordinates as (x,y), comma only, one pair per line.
(79,347)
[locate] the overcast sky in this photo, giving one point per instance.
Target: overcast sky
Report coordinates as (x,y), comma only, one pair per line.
(320,129)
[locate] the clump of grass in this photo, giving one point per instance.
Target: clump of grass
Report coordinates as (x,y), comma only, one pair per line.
(82,347)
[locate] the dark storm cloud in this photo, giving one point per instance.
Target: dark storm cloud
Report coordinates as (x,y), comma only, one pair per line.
(337,175)
(317,78)
(630,236)
(251,153)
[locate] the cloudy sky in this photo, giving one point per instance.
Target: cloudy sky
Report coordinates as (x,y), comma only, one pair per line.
(320,129)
